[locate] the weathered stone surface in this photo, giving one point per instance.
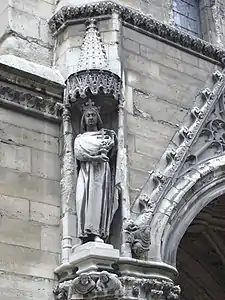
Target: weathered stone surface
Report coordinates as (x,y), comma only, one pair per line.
(147,127)
(13,207)
(44,213)
(158,109)
(19,18)
(42,8)
(45,164)
(15,157)
(4,19)
(24,185)
(152,145)
(35,33)
(40,54)
(44,32)
(50,238)
(20,233)
(23,121)
(20,136)
(142,162)
(137,178)
(27,261)
(174,89)
(25,287)
(41,71)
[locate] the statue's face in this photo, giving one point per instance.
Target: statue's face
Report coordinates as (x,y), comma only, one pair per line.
(84,280)
(104,278)
(91,117)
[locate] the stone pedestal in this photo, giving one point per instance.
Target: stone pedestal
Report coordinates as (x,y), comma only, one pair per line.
(93,257)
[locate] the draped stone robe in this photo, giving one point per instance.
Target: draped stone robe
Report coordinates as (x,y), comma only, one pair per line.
(95,201)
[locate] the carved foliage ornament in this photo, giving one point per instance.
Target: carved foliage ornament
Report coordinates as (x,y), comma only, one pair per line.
(137,19)
(44,106)
(156,288)
(107,285)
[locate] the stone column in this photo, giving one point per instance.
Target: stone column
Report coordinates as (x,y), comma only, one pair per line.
(68,223)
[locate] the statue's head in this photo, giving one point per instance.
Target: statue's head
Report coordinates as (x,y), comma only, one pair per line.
(104,277)
(91,116)
(84,279)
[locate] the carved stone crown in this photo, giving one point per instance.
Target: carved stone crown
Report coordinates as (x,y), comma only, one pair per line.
(90,105)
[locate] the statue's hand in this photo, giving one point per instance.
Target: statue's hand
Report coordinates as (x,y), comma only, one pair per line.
(100,158)
(104,157)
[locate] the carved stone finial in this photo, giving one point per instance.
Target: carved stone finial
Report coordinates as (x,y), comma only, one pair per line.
(217,75)
(206,93)
(93,54)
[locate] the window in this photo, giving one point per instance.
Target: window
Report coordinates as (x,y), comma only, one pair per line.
(186,15)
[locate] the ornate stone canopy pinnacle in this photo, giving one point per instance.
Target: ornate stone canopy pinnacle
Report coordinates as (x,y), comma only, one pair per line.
(93,76)
(93,53)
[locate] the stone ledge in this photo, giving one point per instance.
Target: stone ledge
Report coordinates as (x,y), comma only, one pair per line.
(146,269)
(30,88)
(138,21)
(45,73)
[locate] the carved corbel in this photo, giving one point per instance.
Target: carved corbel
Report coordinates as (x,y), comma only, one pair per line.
(108,283)
(82,285)
(94,285)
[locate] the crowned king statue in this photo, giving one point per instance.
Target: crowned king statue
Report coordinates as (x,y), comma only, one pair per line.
(96,197)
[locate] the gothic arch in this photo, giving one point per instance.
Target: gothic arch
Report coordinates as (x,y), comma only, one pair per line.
(182,203)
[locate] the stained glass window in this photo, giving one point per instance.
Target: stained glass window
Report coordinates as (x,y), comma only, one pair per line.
(186,15)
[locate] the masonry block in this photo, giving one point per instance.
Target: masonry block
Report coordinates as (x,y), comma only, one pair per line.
(45,164)
(24,185)
(20,233)
(27,261)
(30,123)
(44,213)
(159,109)
(29,138)
(25,287)
(50,238)
(15,157)
(14,207)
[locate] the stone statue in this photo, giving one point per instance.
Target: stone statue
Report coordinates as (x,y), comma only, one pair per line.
(108,282)
(95,152)
(83,285)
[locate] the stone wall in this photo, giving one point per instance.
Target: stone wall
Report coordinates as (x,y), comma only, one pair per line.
(29,206)
(161,83)
(24,30)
